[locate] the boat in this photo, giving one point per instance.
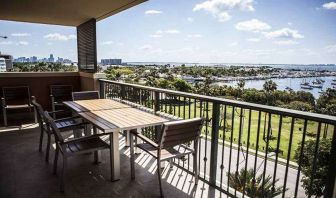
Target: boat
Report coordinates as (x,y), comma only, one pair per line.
(306,87)
(321,91)
(333,83)
(316,86)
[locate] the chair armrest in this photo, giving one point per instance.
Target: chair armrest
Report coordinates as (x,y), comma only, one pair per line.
(3,102)
(82,138)
(146,139)
(67,118)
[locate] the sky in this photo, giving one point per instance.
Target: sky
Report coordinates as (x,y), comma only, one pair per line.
(195,31)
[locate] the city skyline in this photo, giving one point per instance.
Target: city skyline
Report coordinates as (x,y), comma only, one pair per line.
(212,31)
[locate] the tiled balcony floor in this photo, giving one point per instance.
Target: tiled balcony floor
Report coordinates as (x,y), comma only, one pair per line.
(24,173)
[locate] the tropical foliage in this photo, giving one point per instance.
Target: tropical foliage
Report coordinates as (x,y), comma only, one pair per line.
(244,181)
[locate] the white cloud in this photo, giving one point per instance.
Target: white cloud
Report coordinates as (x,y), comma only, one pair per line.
(330,48)
(253,25)
(286,42)
(155,35)
(22,43)
(233,44)
(220,8)
(153,12)
(146,47)
(172,31)
(329,6)
(20,34)
(107,43)
(194,35)
(59,37)
(290,23)
(253,39)
(6,42)
(190,19)
(285,33)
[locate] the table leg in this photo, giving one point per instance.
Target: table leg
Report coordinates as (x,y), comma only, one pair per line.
(127,138)
(115,156)
(96,153)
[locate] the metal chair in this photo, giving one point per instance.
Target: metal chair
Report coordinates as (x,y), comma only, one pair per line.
(17,97)
(174,134)
(58,94)
(72,147)
(63,124)
(85,95)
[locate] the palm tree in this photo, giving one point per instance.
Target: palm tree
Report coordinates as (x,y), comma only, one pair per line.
(254,187)
(270,86)
(241,84)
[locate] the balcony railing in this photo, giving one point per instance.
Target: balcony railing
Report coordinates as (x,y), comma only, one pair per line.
(268,141)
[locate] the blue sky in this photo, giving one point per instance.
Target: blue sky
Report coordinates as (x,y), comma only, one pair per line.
(209,31)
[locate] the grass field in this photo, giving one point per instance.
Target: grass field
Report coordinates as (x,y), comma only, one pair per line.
(240,126)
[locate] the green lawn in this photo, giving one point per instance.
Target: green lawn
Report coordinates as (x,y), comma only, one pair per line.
(182,111)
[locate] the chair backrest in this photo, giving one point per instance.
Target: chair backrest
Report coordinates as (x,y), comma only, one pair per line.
(85,95)
(61,92)
(178,132)
(50,122)
(16,95)
(39,111)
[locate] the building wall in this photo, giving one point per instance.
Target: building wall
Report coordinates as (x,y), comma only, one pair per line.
(39,83)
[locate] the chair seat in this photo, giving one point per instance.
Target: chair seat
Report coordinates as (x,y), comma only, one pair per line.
(165,153)
(23,106)
(86,145)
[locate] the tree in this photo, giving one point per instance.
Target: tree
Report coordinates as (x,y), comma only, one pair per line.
(253,188)
(299,105)
(326,103)
(182,85)
(241,84)
(270,86)
(320,176)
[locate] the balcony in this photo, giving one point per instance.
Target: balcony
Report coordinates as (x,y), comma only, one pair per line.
(227,145)
(246,149)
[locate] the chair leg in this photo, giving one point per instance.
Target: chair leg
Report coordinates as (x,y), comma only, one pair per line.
(195,161)
(48,148)
(35,116)
(159,176)
(63,174)
(55,160)
(132,156)
(195,168)
(41,139)
(4,116)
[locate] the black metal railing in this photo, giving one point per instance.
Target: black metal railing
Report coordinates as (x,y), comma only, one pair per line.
(247,149)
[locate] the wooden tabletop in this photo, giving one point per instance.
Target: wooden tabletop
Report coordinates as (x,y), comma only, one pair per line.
(94,105)
(122,119)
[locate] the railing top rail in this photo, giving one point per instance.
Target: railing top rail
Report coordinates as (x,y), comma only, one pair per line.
(246,105)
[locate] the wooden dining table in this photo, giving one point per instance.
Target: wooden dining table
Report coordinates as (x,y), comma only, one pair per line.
(111,117)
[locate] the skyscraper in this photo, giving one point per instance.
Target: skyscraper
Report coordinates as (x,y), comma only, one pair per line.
(51,58)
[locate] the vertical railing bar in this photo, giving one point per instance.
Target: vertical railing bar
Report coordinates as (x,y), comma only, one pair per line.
(277,153)
(239,142)
(214,142)
(266,152)
(257,147)
(301,156)
(199,153)
(231,139)
(206,136)
(223,146)
(315,158)
(247,149)
(288,156)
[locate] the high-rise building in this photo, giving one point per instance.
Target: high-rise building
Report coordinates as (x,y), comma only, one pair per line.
(51,58)
(111,61)
(33,59)
(8,61)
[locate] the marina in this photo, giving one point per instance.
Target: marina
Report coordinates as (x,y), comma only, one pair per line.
(294,84)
